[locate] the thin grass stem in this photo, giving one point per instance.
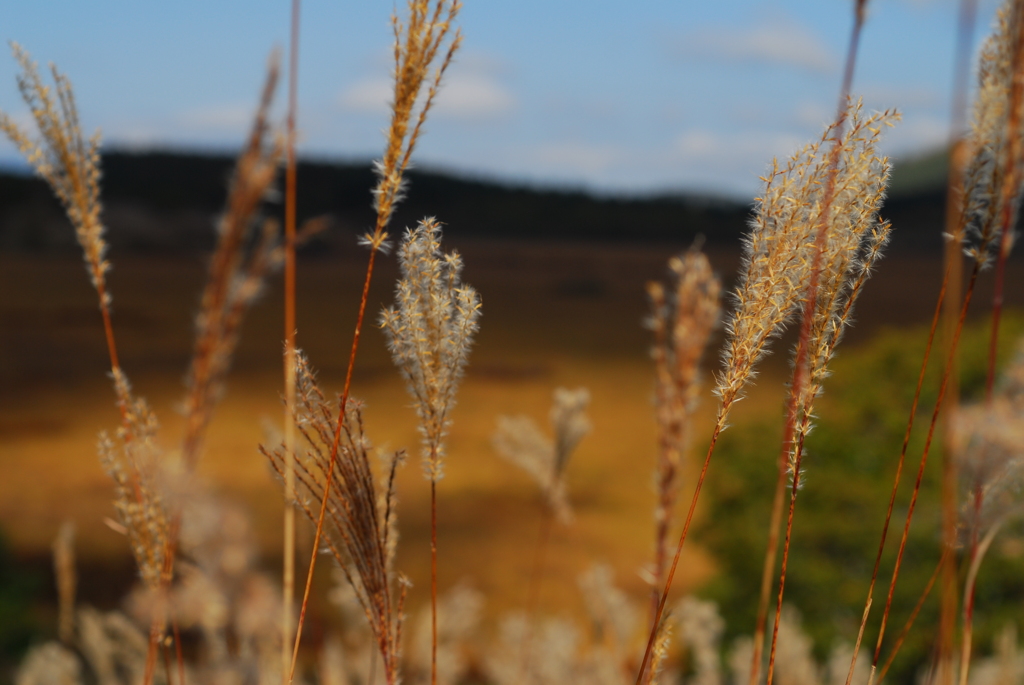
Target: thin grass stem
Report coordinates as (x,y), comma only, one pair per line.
(924,456)
(946,554)
(331,464)
(288,571)
(801,371)
(719,426)
(969,583)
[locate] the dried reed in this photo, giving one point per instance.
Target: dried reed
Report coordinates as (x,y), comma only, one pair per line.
(521,442)
(247,250)
(430,330)
(288,543)
(682,318)
(991,187)
(781,253)
(853,240)
(418,43)
(67,580)
(71,167)
(361,514)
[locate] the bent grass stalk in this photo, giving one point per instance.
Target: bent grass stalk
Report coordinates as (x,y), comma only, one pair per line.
(71,167)
(802,371)
(779,253)
(995,130)
(977,556)
(423,36)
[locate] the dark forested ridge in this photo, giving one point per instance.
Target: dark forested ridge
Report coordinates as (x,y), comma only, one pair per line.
(167,201)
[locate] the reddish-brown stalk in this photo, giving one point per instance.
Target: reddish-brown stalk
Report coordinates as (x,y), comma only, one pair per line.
(953,264)
(288,572)
(954,268)
(768,571)
(433,581)
(978,554)
(423,38)
(801,372)
(946,554)
(167,664)
(1010,182)
(954,342)
(723,409)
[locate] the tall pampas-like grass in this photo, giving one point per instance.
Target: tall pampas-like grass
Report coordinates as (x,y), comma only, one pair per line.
(838,186)
(521,442)
(360,532)
(683,316)
(246,252)
(430,330)
(848,244)
(426,36)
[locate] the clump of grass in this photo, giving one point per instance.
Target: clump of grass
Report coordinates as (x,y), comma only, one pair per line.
(419,42)
(360,531)
(521,442)
(814,239)
(824,191)
(145,500)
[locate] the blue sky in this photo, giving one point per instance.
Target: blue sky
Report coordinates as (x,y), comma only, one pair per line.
(642,96)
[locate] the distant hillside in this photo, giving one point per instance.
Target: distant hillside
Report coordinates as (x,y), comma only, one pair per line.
(167,201)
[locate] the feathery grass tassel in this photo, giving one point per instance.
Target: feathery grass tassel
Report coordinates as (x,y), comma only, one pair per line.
(430,331)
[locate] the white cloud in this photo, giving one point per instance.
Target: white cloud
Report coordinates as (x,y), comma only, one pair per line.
(473,96)
(370,96)
(573,157)
(137,136)
(219,118)
(918,134)
(465,95)
(776,41)
(753,149)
